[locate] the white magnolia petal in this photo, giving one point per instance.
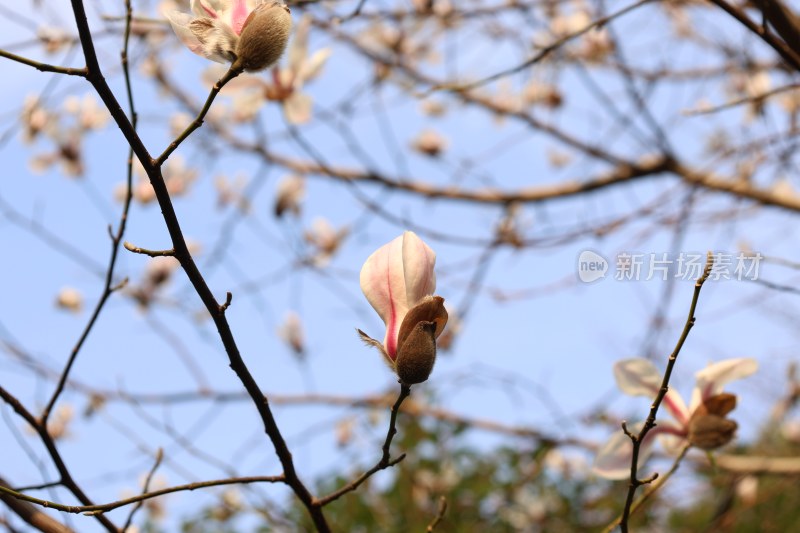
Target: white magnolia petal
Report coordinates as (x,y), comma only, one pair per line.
(180,25)
(713,378)
(311,68)
(218,40)
(298,50)
(637,377)
(418,268)
(613,461)
(297,108)
(640,377)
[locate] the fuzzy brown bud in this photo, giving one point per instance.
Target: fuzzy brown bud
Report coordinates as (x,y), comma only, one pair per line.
(416,340)
(264,36)
(709,432)
(708,427)
(416,356)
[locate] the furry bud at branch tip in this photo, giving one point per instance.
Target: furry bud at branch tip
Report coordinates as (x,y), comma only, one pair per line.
(708,427)
(417,354)
(264,37)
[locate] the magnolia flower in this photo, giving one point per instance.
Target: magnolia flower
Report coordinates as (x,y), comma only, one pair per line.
(88,113)
(291,332)
(289,194)
(326,239)
(36,119)
(157,273)
(231,192)
(398,281)
(250,34)
(429,142)
(702,424)
(301,67)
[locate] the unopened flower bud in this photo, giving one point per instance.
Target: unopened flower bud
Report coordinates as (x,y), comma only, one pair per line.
(264,36)
(416,341)
(709,432)
(708,427)
(416,356)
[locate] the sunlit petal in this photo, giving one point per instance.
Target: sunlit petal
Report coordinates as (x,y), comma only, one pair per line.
(713,378)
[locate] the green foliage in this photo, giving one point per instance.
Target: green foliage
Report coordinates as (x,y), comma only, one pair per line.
(764,503)
(506,489)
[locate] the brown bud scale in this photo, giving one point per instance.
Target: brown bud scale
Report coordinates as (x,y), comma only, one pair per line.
(264,36)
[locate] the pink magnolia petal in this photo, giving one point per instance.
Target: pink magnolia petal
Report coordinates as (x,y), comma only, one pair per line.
(713,378)
(418,263)
(673,402)
(238,15)
(383,283)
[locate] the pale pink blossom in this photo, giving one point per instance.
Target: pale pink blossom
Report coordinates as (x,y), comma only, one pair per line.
(89,114)
(326,239)
(702,424)
(291,332)
(36,119)
(398,280)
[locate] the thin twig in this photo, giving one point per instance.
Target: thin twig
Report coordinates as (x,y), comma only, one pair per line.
(650,490)
(650,423)
(790,56)
(439,515)
(32,514)
(734,103)
(66,477)
(547,50)
(385,460)
(145,488)
(98,510)
(198,121)
(44,67)
(144,251)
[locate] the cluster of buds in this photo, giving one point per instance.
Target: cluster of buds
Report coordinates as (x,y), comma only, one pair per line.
(398,280)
